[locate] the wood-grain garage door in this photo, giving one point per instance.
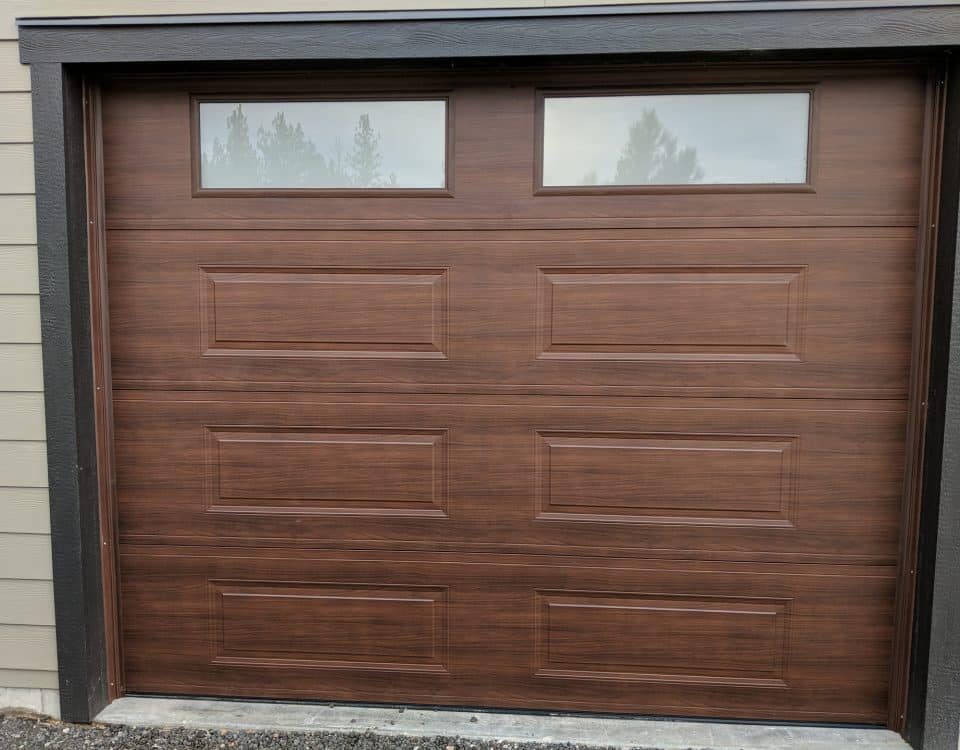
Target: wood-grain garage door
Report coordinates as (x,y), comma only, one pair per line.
(582,390)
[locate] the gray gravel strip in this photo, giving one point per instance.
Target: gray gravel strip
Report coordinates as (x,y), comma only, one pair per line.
(20,732)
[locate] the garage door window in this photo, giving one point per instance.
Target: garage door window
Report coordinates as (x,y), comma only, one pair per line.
(369,145)
(722,138)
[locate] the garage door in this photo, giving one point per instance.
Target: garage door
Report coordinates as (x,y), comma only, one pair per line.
(579,390)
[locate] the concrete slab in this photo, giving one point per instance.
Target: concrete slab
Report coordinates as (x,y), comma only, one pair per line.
(654,734)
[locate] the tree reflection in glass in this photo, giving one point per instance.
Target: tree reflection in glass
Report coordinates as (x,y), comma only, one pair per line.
(675,139)
(651,156)
(282,154)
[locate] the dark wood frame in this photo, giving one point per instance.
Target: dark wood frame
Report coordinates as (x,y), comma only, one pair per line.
(62,52)
(809,185)
(919,387)
(447,191)
(103,389)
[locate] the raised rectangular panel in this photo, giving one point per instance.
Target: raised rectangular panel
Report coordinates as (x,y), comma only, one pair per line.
(701,313)
(667,478)
(323,312)
(328,625)
(315,470)
(662,638)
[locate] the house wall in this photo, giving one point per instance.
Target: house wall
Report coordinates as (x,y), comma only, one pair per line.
(28,660)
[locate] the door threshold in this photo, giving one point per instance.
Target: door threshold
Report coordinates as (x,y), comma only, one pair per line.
(491,726)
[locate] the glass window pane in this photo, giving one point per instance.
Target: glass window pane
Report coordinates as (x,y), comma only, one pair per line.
(675,139)
(323,144)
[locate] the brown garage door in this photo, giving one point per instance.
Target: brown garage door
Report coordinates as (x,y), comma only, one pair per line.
(578,391)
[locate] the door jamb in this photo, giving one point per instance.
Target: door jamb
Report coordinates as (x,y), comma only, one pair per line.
(103,384)
(917,395)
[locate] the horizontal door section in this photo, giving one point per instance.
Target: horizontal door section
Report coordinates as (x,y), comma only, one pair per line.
(723,640)
(206,153)
(732,312)
(734,479)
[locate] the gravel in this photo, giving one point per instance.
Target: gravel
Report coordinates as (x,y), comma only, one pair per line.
(22,732)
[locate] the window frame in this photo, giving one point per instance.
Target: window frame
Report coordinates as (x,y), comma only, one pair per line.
(813,128)
(198,191)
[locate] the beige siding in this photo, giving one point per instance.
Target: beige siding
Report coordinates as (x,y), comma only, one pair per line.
(21,416)
(23,463)
(25,557)
(24,510)
(20,369)
(16,124)
(26,603)
(18,223)
(27,655)
(29,678)
(13,75)
(28,647)
(18,266)
(19,318)
(16,166)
